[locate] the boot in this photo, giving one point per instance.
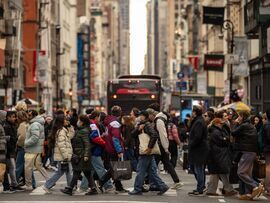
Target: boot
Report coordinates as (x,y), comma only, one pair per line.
(67,190)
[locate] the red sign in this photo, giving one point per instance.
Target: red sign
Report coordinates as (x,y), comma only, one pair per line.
(133,91)
(214,62)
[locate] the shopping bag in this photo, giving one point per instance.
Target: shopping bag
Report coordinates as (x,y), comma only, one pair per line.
(259,169)
(144,141)
(2,172)
(121,170)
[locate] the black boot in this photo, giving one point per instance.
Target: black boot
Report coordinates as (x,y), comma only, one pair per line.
(67,190)
(93,191)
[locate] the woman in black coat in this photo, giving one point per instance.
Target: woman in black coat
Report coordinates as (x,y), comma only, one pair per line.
(81,156)
(219,158)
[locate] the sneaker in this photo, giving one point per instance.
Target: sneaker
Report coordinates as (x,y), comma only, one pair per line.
(29,188)
(135,193)
(231,193)
(177,186)
(19,189)
(81,190)
(47,190)
(257,191)
(93,191)
(165,189)
(245,197)
(196,193)
(110,190)
(8,191)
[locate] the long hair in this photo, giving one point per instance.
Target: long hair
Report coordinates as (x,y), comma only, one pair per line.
(128,121)
(85,120)
(57,125)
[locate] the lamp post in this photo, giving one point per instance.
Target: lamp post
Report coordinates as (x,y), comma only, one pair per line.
(229,26)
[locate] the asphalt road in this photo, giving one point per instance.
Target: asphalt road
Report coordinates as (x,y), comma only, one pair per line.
(171,196)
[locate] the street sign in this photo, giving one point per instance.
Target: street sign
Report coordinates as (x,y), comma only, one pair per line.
(232,59)
(180,75)
(181,85)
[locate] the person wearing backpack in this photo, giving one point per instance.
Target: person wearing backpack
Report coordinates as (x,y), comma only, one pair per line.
(161,123)
(174,142)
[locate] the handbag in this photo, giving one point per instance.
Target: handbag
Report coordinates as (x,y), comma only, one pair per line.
(121,170)
(144,141)
(2,172)
(259,169)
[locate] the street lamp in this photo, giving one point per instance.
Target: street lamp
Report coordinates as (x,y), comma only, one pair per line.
(229,26)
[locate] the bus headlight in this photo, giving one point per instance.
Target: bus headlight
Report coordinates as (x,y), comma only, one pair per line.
(153,96)
(115,96)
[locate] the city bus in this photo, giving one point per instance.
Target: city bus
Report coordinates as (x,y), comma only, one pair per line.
(130,91)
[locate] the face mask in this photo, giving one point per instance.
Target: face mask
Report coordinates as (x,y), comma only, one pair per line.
(78,124)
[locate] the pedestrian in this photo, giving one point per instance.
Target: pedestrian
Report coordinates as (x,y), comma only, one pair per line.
(161,125)
(73,118)
(33,146)
(3,144)
(98,145)
(134,114)
(246,144)
(46,151)
(198,149)
(10,127)
(258,123)
(208,117)
(174,142)
(114,143)
(147,164)
(23,122)
(129,141)
(81,157)
(219,161)
(61,135)
(267,151)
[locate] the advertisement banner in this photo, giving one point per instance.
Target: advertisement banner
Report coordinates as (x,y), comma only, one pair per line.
(213,62)
(213,15)
(241,49)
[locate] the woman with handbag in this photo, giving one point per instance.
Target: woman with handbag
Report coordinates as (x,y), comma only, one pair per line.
(148,147)
(60,139)
(80,160)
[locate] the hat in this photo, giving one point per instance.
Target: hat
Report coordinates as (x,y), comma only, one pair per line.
(144,113)
(2,115)
(151,111)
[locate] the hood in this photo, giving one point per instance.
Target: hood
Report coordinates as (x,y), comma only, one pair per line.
(38,119)
(109,119)
(161,114)
(2,116)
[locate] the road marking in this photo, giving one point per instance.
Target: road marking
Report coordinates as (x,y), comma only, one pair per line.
(104,201)
(221,200)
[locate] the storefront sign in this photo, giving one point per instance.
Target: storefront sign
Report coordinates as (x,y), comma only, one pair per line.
(241,49)
(213,15)
(213,62)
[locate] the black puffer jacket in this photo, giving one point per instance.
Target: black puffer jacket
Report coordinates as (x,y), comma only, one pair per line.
(3,145)
(219,157)
(245,137)
(198,145)
(129,140)
(267,137)
(81,149)
(11,131)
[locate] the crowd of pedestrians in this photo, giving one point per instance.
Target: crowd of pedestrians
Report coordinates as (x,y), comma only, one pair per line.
(82,147)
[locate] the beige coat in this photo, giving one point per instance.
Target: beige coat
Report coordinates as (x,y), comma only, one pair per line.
(63,147)
(21,133)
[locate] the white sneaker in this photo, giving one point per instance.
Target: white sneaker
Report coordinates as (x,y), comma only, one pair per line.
(177,186)
(47,190)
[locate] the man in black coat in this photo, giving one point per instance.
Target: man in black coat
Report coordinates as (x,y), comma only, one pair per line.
(267,152)
(198,149)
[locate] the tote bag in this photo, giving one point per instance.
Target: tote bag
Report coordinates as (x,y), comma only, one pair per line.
(144,141)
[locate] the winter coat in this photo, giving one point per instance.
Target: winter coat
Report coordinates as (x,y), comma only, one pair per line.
(162,130)
(35,136)
(198,145)
(98,144)
(267,137)
(129,140)
(81,149)
(149,130)
(173,133)
(219,161)
(21,133)
(245,137)
(260,136)
(11,131)
(114,140)
(63,147)
(3,145)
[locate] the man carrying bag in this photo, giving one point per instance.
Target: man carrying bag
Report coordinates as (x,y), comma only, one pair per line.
(148,147)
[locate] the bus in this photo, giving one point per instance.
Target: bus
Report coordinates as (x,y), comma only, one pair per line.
(130,91)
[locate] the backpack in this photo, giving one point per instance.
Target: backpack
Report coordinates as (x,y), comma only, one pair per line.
(164,120)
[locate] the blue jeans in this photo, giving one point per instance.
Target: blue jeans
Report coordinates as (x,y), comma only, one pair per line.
(99,168)
(199,173)
(147,165)
(57,175)
(20,166)
(130,155)
(245,168)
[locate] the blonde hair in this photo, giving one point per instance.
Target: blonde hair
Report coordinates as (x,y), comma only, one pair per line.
(22,116)
(21,106)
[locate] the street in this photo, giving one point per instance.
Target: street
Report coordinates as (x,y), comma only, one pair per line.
(171,196)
